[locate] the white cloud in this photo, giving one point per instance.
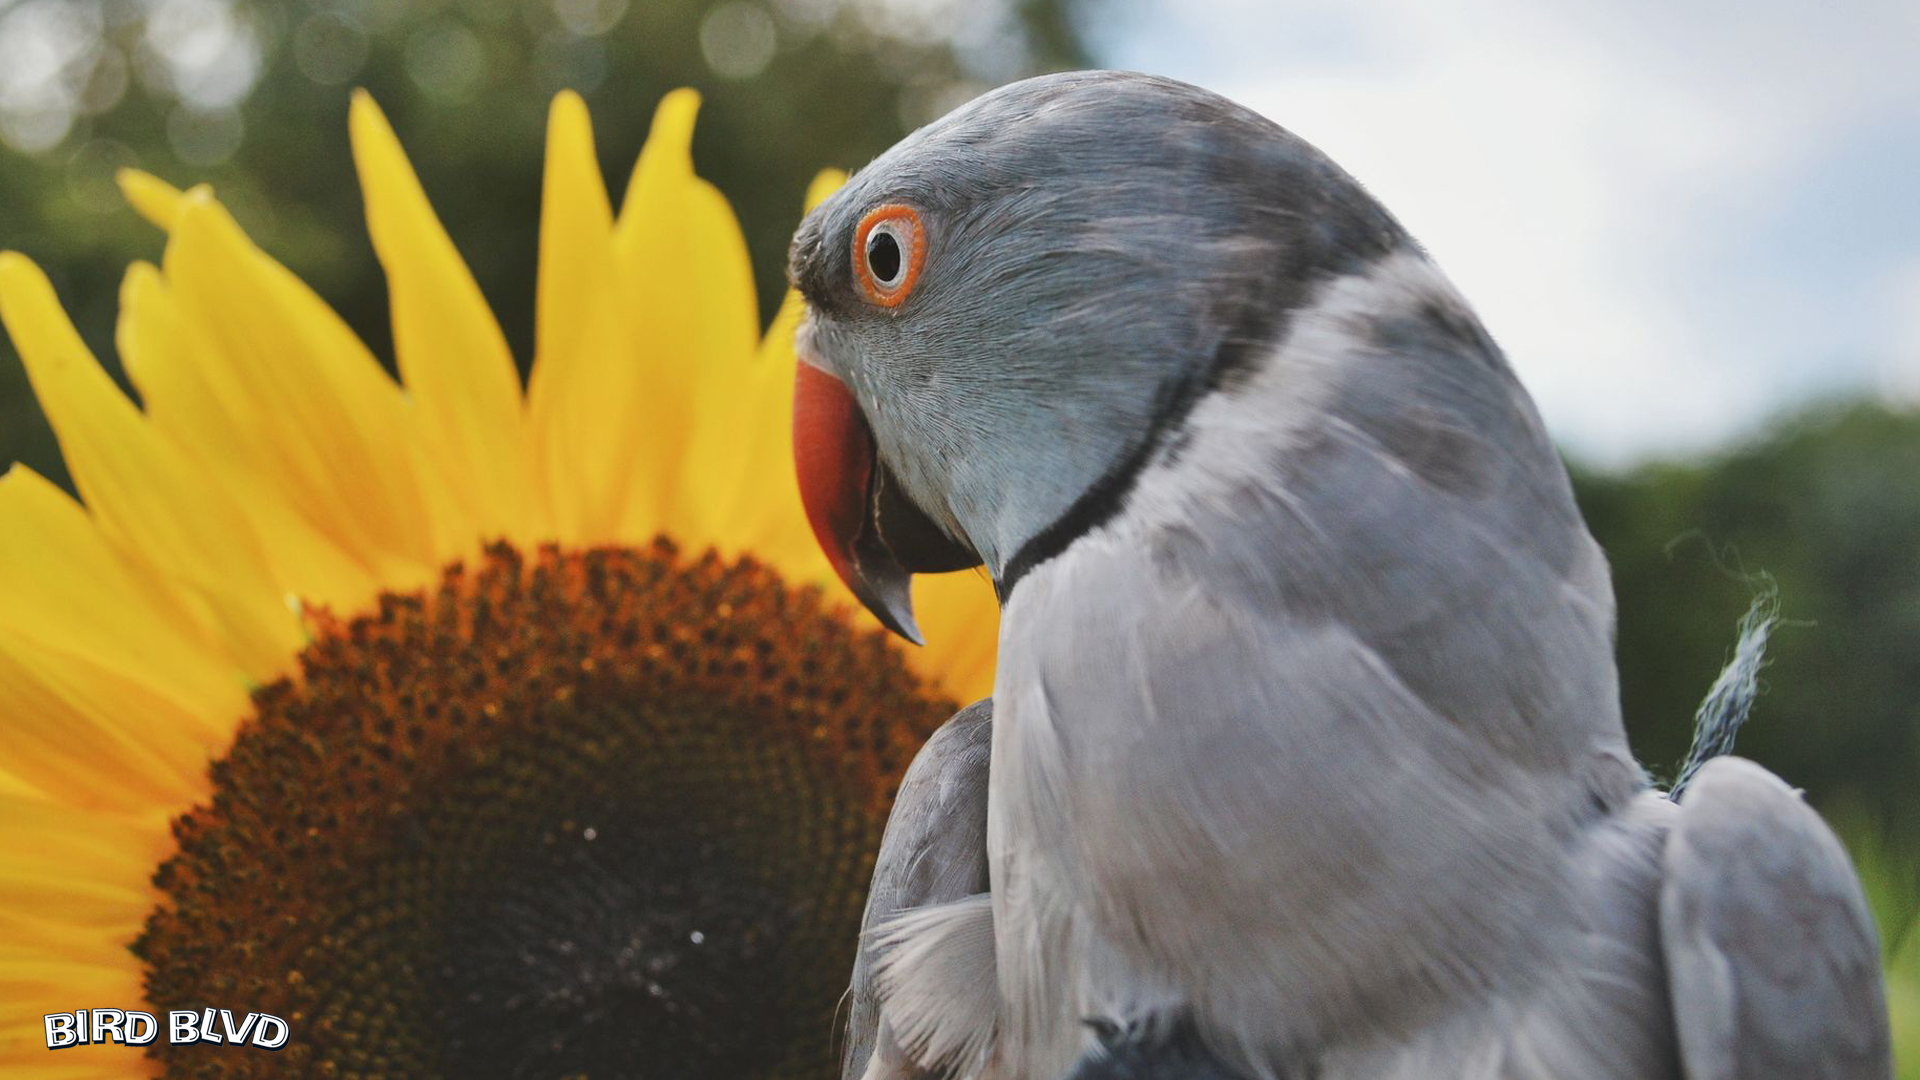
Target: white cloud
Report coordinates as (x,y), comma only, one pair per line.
(1594,183)
(1900,369)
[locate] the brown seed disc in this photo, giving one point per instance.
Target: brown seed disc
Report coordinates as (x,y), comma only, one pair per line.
(604,813)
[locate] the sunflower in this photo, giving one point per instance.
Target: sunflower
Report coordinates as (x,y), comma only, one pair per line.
(473,731)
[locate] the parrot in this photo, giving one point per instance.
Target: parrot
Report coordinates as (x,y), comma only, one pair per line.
(1304,758)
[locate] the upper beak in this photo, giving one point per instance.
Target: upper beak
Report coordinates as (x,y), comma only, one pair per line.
(874,536)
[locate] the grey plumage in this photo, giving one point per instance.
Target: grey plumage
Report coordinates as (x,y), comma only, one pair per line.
(1052,315)
(934,852)
(1306,740)
(1770,970)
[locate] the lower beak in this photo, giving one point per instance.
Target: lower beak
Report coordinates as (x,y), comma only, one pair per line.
(874,536)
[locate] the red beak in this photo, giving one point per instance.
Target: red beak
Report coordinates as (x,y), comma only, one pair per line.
(833,455)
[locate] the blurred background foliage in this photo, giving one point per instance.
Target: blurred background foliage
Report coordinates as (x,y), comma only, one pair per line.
(250,95)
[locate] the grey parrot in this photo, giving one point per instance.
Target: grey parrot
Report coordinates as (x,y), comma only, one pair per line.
(1305,757)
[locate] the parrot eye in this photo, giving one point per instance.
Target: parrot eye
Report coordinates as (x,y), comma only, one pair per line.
(883,255)
(888,250)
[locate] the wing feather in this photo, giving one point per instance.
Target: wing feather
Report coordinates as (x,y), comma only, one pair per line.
(1771,953)
(934,852)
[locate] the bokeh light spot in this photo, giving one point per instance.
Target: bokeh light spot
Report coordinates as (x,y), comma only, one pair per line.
(210,56)
(47,55)
(204,138)
(589,18)
(446,60)
(329,48)
(738,39)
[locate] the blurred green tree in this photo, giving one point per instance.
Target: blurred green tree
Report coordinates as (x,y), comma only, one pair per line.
(251,96)
(1827,505)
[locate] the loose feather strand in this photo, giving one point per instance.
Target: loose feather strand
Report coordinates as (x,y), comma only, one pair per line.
(1730,699)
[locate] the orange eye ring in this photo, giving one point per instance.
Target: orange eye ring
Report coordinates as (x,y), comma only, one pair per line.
(890,237)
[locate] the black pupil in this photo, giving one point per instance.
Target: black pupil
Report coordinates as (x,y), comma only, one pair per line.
(883,256)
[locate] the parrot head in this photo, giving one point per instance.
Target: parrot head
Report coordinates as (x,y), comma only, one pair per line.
(1015,307)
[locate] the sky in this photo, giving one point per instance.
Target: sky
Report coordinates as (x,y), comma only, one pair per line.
(1678,218)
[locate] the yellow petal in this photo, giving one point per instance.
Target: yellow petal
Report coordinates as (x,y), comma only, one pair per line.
(747,494)
(299,361)
(452,356)
(824,183)
(23,1048)
(77,867)
(740,493)
(240,361)
(690,294)
(179,376)
(11,785)
(579,392)
(46,935)
(22,981)
(89,736)
(151,197)
(751,492)
(141,488)
(34,1063)
(960,619)
(65,590)
(29,989)
(576,235)
(74,892)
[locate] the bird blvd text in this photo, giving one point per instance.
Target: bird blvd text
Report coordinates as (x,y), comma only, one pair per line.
(132,1027)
